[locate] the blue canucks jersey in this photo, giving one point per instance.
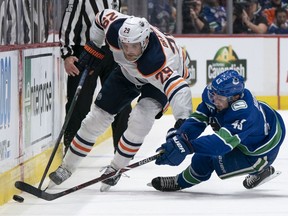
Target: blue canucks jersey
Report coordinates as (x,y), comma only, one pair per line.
(247,124)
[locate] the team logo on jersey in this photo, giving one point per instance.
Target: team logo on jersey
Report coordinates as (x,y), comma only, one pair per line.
(239,104)
(225,59)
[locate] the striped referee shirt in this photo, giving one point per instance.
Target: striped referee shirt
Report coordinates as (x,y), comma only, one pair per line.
(77,20)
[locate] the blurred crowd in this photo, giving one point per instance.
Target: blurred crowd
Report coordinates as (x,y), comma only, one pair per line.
(210,16)
(37,21)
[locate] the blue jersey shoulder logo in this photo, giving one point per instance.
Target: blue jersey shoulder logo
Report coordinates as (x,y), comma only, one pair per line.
(239,104)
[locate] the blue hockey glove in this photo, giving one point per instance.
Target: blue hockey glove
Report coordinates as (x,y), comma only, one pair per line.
(174,151)
(90,57)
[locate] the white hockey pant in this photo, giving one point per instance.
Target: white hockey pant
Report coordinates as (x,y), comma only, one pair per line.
(140,123)
(94,124)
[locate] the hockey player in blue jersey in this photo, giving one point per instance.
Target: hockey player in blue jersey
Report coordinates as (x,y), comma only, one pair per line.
(246,140)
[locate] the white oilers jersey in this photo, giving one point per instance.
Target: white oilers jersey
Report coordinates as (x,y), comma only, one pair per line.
(161,64)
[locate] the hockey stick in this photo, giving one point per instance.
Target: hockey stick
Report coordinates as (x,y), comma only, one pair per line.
(49,197)
(67,118)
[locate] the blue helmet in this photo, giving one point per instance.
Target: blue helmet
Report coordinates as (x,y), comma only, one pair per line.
(228,84)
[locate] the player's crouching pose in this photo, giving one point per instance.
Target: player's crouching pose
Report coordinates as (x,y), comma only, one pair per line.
(247,138)
(151,65)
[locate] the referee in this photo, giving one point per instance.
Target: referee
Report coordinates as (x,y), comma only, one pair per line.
(74,33)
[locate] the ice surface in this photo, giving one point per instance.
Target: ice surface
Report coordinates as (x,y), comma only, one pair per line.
(132,196)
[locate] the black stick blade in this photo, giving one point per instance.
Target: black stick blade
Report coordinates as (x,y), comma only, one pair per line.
(34,191)
(49,196)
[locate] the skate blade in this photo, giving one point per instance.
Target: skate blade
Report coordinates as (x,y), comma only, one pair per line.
(274,175)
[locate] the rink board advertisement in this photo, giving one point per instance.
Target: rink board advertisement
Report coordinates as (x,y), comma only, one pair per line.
(9,119)
(38,99)
(254,58)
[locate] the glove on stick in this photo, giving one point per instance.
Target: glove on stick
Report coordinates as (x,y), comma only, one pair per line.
(91,57)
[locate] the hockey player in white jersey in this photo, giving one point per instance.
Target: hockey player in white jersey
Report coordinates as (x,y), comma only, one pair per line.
(151,66)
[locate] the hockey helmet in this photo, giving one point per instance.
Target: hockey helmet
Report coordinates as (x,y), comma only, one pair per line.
(227,84)
(135,30)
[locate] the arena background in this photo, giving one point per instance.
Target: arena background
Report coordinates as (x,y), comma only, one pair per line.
(33,81)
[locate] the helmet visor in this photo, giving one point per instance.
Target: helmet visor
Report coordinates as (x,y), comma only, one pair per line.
(214,97)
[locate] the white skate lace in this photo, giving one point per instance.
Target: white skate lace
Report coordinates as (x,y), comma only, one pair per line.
(63,173)
(109,169)
(168,182)
(251,179)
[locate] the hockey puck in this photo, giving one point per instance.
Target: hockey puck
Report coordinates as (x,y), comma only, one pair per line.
(18,198)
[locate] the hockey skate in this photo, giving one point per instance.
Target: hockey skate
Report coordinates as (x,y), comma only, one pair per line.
(254,180)
(60,175)
(106,184)
(165,183)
